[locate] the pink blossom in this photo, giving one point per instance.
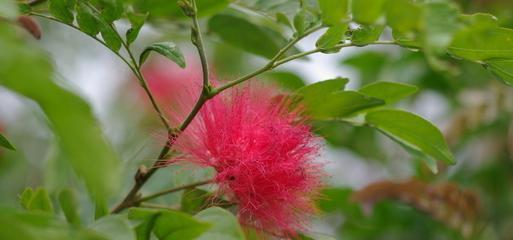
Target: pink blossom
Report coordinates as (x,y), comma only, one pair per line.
(263,156)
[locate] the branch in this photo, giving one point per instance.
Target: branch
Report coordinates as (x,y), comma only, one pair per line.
(138,200)
(136,69)
(270,65)
(275,63)
(141,177)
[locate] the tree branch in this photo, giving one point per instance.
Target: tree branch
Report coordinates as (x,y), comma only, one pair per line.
(138,200)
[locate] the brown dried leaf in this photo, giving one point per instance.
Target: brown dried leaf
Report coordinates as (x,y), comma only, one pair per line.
(445,202)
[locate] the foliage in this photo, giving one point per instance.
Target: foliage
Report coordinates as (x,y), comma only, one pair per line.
(453,51)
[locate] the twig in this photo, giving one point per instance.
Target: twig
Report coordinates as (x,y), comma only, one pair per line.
(135,201)
(140,176)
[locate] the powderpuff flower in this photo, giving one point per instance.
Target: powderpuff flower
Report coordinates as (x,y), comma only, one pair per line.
(263,156)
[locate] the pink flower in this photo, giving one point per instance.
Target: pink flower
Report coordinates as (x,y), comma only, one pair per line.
(263,156)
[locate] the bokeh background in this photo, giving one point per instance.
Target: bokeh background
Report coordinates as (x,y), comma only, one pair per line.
(473,110)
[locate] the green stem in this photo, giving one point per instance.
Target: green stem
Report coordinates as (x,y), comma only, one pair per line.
(172,190)
(93,37)
(135,200)
(270,65)
(136,69)
(140,177)
(275,63)
(197,40)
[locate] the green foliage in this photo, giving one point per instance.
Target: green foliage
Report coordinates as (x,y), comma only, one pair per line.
(367,11)
(326,100)
(136,21)
(333,36)
(114,227)
(502,68)
(110,36)
(63,10)
(40,226)
(87,20)
(194,200)
(70,117)
(334,12)
(36,201)
(437,29)
(385,220)
(70,206)
(390,92)
(5,143)
(166,224)
(256,39)
(166,49)
(403,16)
(367,34)
(414,133)
(286,80)
(223,224)
(478,44)
(304,20)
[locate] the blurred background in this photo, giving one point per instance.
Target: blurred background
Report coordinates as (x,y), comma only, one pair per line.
(474,198)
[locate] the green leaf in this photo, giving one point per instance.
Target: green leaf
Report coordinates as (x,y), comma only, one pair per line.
(325,100)
(502,68)
(62,10)
(166,49)
(111,10)
(286,80)
(71,119)
(303,21)
(24,8)
(25,197)
(69,205)
(193,200)
(146,223)
(283,19)
(367,11)
(40,201)
(367,34)
(110,36)
(412,132)
(480,20)
(224,225)
(323,87)
(246,35)
(5,143)
(333,36)
(439,24)
(136,21)
(334,12)
(341,104)
(477,43)
(390,92)
(114,227)
(40,226)
(403,15)
(166,224)
(87,20)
